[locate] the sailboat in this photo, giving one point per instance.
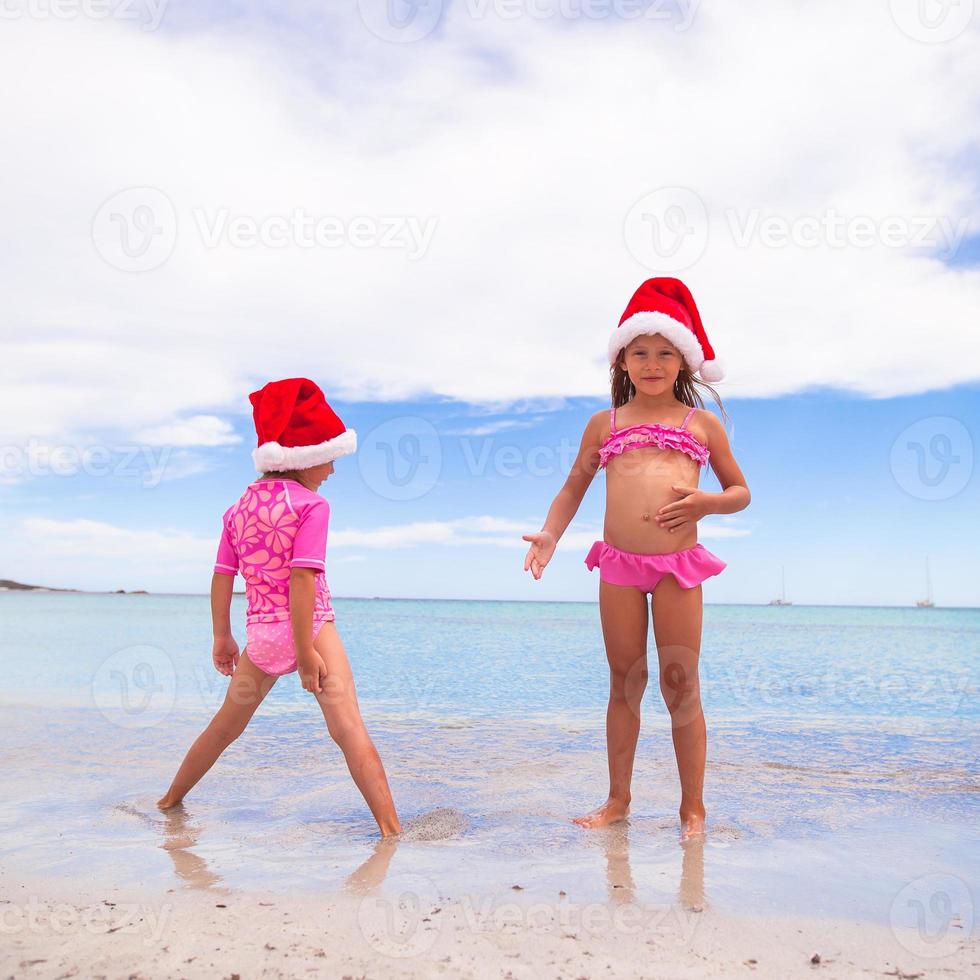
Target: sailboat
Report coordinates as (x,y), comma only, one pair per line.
(927,602)
(782,600)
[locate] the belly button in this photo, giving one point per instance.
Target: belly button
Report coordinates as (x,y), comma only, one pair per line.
(646,517)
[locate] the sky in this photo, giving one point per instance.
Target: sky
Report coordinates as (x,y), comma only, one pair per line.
(438,211)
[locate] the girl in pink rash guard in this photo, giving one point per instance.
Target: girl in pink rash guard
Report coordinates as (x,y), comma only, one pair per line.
(275,536)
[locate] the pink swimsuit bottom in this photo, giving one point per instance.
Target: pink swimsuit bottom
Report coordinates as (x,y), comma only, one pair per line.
(270,645)
(689,567)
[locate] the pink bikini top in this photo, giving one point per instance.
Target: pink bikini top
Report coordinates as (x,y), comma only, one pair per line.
(652,434)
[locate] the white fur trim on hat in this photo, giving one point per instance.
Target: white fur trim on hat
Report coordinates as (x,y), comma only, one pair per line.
(270,457)
(680,335)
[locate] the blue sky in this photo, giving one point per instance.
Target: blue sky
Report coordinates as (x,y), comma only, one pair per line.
(829,504)
(443,229)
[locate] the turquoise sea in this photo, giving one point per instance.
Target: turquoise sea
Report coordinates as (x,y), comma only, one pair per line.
(843,748)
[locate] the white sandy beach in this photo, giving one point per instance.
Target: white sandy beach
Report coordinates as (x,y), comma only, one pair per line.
(54,930)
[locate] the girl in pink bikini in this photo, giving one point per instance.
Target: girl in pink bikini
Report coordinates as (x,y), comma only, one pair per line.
(275,535)
(652,445)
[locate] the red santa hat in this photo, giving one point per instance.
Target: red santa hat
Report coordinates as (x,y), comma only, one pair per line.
(666,306)
(296,427)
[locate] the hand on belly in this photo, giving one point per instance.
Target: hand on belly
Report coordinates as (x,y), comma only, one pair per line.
(634,498)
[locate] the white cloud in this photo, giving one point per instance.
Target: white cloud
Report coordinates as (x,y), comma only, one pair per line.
(485,530)
(528,141)
(490,428)
(198,430)
(481,530)
(102,541)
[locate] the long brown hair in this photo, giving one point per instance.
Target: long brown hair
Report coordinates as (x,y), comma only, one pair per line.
(686,387)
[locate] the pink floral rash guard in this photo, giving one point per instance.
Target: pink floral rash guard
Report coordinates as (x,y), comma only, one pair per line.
(276,525)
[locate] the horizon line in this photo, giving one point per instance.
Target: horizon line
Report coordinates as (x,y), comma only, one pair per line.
(573,602)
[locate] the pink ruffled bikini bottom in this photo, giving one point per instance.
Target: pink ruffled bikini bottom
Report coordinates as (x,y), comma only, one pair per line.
(617,567)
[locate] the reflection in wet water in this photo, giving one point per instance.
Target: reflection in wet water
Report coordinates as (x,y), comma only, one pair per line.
(486,806)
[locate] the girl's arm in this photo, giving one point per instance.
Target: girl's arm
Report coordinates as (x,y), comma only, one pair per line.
(302,590)
(696,503)
(735,494)
(569,498)
(224,653)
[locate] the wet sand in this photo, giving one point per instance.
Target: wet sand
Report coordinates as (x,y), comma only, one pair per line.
(405,926)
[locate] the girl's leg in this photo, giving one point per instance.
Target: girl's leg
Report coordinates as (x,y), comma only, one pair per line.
(247,688)
(338,701)
(623,611)
(677,616)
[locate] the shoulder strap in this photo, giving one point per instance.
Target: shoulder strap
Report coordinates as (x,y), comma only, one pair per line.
(688,418)
(612,420)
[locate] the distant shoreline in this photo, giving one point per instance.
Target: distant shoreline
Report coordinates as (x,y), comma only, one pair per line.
(7,585)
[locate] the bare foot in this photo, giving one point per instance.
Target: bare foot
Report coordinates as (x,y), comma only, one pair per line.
(610,811)
(166,802)
(692,824)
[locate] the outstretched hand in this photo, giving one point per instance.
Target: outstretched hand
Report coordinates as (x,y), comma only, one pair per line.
(225,655)
(692,506)
(543,546)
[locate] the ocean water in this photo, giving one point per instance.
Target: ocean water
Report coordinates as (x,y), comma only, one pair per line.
(842,775)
